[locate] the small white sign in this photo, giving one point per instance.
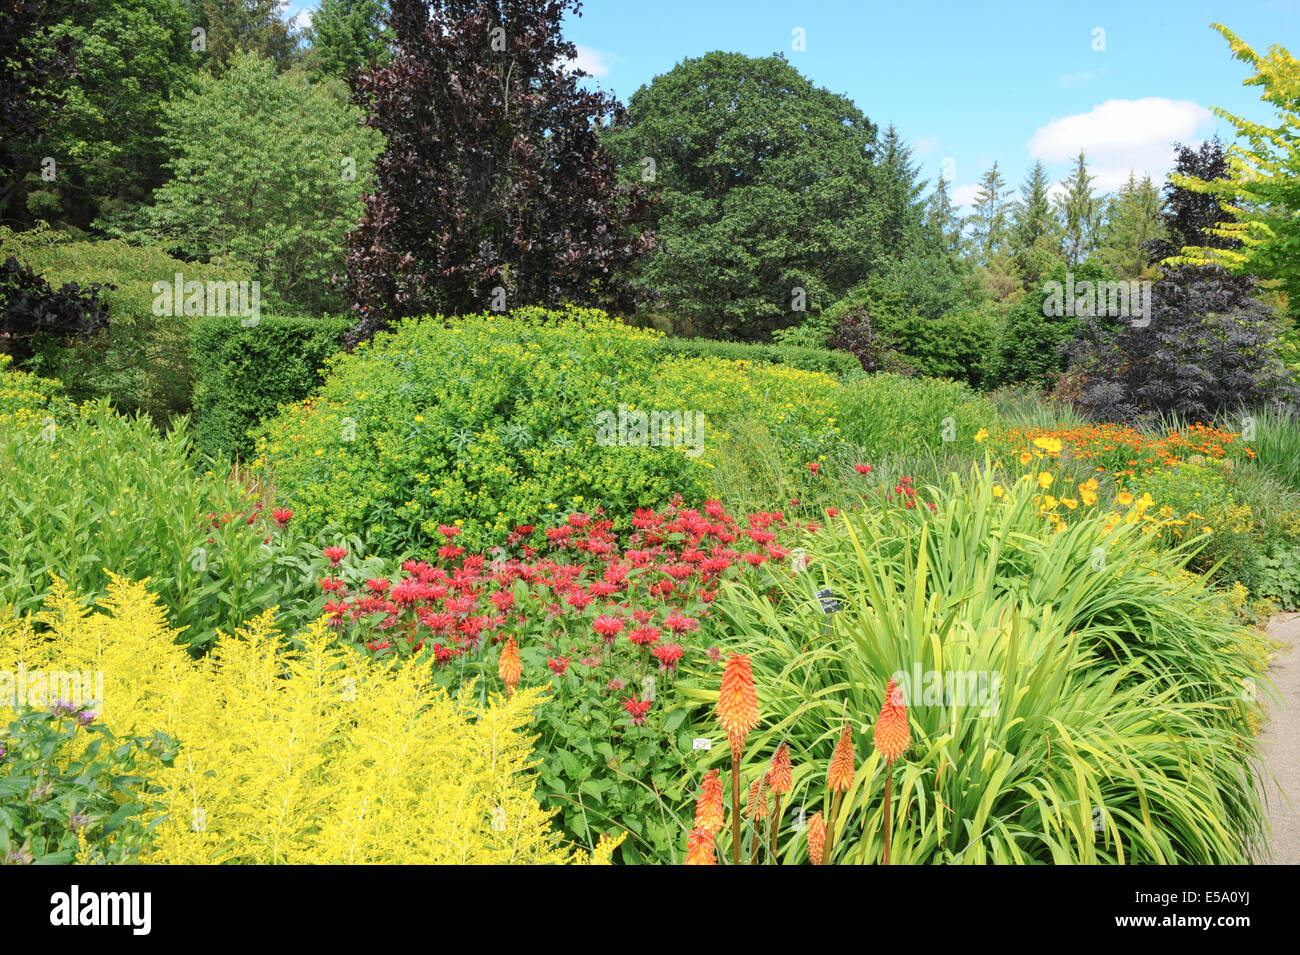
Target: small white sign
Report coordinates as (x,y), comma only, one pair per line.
(702,743)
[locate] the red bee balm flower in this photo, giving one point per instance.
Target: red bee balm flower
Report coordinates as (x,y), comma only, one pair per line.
(608,626)
(637,709)
(335,554)
(737,701)
(282,515)
(892,734)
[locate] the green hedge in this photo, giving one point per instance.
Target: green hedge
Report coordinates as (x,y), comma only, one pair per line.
(243,375)
(824,360)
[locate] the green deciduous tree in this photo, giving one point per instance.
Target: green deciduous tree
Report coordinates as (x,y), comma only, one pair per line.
(269,168)
(769,186)
(132,56)
(1262,191)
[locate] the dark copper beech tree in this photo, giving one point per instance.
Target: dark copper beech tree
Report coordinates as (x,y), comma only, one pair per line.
(493,188)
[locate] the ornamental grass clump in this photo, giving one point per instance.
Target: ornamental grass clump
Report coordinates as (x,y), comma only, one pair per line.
(1059,697)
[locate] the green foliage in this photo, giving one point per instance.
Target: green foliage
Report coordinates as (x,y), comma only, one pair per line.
(243,374)
(270,168)
(71,791)
(1080,213)
(748,155)
(348,35)
(493,421)
(86,490)
(142,362)
(887,414)
(1119,730)
(1261,195)
(131,57)
(923,326)
(1132,223)
(1030,346)
(817,358)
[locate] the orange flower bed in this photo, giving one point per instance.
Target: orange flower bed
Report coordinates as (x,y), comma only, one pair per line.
(1124,450)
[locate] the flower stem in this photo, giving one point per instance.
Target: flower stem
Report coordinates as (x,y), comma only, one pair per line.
(830,827)
(737,831)
(889,784)
(776,826)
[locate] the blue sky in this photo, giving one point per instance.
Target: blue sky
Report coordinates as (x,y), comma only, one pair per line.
(970,83)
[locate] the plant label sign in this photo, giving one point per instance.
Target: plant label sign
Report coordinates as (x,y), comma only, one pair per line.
(827,599)
(701,743)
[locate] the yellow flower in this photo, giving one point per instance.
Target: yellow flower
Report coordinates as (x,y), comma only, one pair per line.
(1050,445)
(1123,498)
(998,490)
(981,434)
(1070,502)
(1025,457)
(1044,479)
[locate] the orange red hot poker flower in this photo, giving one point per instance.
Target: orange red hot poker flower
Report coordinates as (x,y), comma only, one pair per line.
(816,838)
(737,701)
(699,849)
(710,809)
(779,774)
(840,776)
(509,667)
(892,735)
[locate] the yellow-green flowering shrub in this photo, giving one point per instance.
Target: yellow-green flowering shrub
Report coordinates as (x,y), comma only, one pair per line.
(25,398)
(317,755)
(492,421)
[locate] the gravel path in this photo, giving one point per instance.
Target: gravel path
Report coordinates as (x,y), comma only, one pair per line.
(1280,741)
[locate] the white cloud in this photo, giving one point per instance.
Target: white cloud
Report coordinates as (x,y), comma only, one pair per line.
(592,61)
(924,145)
(301,21)
(964,195)
(1120,135)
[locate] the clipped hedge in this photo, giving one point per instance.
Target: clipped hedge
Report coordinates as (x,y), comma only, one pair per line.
(243,374)
(823,360)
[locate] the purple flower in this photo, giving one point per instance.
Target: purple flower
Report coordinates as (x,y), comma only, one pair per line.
(85,717)
(61,708)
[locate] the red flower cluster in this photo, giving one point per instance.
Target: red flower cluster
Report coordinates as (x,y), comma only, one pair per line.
(591,601)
